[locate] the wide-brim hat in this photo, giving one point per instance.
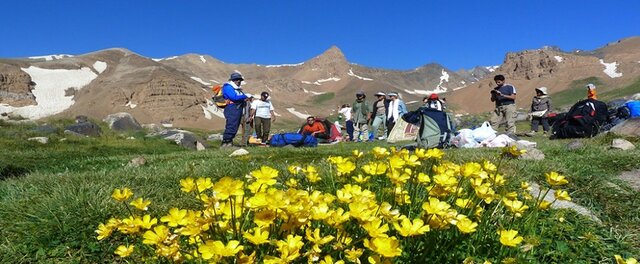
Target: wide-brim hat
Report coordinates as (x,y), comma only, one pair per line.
(543,90)
(380,94)
(393,94)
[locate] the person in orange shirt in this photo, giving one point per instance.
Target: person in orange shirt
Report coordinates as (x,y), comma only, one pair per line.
(591,92)
(314,128)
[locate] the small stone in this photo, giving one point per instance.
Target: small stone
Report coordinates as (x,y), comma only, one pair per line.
(239,152)
(214,137)
(137,162)
(576,144)
(199,146)
(532,154)
(622,144)
(42,140)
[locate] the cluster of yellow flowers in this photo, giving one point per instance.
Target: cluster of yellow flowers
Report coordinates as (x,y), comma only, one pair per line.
(358,208)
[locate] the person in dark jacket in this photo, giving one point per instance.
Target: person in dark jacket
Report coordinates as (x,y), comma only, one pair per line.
(235,98)
(540,107)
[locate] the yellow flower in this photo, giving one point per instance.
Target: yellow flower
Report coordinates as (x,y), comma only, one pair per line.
(291,244)
(244,259)
(146,221)
(562,195)
(488,166)
(470,169)
(515,206)
(544,205)
(124,251)
(512,151)
(216,248)
(293,169)
(375,228)
(396,163)
(375,168)
(464,203)
(346,167)
(315,237)
(465,225)
(258,237)
(510,238)
(328,260)
(176,217)
(104,231)
(411,160)
(227,186)
(509,261)
(398,176)
(360,179)
(357,153)
(620,260)
(379,152)
(121,195)
(386,246)
(354,254)
(423,178)
(407,228)
(312,174)
(387,211)
(291,183)
(264,218)
(435,206)
(157,236)
(141,204)
(445,180)
(265,175)
(320,212)
(187,185)
(555,179)
(129,225)
(525,186)
(204,184)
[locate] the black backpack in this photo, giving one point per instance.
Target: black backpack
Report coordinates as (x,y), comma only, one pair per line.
(584,119)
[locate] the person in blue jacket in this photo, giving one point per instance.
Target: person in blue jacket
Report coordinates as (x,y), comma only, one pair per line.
(236,100)
(397,109)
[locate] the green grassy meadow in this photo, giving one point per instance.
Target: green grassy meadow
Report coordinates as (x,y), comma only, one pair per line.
(53,196)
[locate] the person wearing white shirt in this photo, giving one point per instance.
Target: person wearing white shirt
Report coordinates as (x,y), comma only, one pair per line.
(345,110)
(263,113)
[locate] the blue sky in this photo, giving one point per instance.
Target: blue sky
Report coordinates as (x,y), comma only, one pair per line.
(387,34)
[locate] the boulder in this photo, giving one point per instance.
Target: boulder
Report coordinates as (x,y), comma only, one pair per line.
(42,140)
(153,128)
(630,127)
(181,137)
(45,129)
(239,152)
(122,122)
(85,128)
(214,137)
(622,144)
(137,162)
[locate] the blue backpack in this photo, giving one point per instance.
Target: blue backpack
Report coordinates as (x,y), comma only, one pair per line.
(294,139)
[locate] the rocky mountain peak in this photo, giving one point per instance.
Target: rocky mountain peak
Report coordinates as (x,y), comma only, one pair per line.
(531,64)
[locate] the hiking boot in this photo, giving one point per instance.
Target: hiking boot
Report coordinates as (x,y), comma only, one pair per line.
(530,134)
(226,145)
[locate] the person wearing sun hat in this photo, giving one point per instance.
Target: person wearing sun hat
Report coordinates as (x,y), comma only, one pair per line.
(540,107)
(233,94)
(380,109)
(397,109)
(591,91)
(361,114)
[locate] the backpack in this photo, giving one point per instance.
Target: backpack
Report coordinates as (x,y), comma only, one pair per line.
(584,119)
(435,127)
(218,98)
(294,139)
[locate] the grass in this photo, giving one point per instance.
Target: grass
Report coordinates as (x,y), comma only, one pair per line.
(55,195)
(621,92)
(322,98)
(574,93)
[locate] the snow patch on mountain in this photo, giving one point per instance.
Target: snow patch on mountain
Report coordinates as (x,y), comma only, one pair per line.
(350,73)
(167,58)
(100,66)
(50,91)
(199,80)
(492,68)
(51,57)
(315,93)
(558,58)
(298,114)
(131,105)
(306,82)
(284,65)
(423,92)
(443,78)
(610,69)
(203,59)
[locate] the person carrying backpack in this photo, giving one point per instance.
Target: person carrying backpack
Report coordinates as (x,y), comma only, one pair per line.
(264,114)
(235,98)
(361,113)
(540,107)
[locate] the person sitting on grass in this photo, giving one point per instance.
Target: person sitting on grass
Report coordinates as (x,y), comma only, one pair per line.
(314,128)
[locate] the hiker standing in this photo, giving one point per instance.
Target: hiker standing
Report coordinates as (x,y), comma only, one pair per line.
(264,114)
(361,113)
(540,107)
(504,95)
(380,109)
(235,98)
(397,109)
(345,110)
(247,120)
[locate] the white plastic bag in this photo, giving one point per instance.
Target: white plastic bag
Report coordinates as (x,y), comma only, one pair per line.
(483,132)
(464,139)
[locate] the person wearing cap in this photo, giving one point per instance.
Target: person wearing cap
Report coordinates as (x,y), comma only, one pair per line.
(380,109)
(263,112)
(591,91)
(397,109)
(235,98)
(433,101)
(504,95)
(247,120)
(361,113)
(540,107)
